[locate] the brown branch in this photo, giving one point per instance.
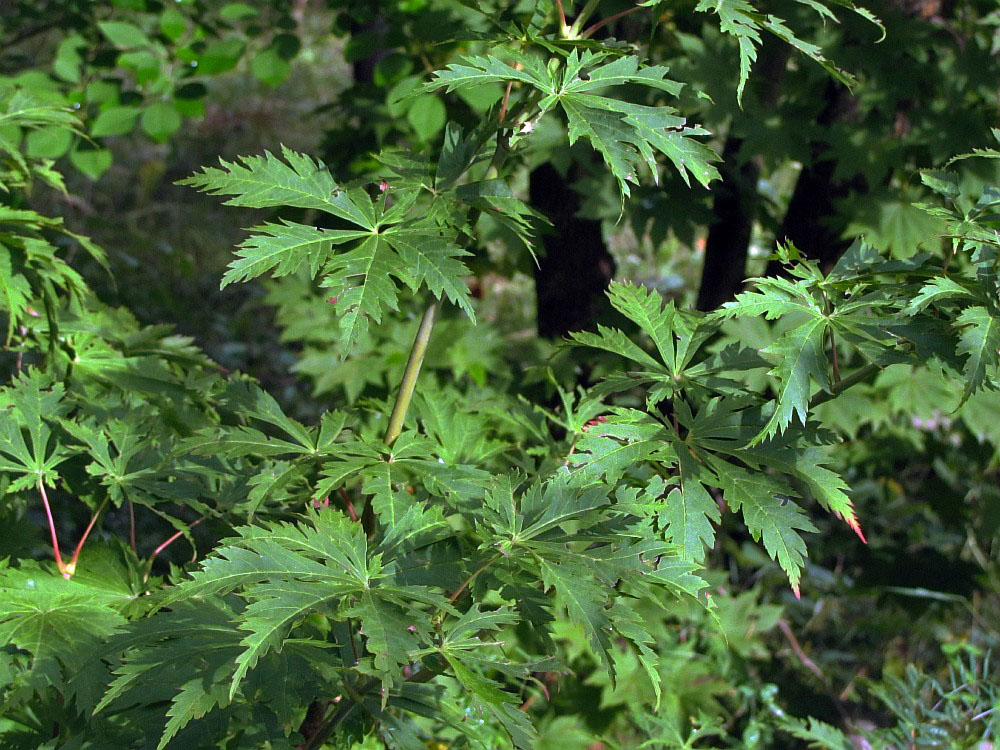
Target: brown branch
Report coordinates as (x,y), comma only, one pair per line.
(794,643)
(458,592)
(506,99)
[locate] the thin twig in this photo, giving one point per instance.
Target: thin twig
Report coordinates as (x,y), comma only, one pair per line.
(858,376)
(348,504)
(591,29)
(833,345)
(172,539)
(52,530)
(794,643)
(833,358)
(506,99)
(458,592)
(585,13)
(350,631)
(71,567)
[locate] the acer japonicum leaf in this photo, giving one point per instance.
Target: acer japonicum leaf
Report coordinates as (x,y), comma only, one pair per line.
(626,135)
(363,265)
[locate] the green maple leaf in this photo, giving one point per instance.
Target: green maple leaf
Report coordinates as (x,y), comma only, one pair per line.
(547,506)
(625,134)
(803,360)
(690,511)
(463,633)
(461,436)
(283,248)
(805,463)
(611,448)
(185,656)
(363,279)
(678,336)
(267,182)
(34,398)
(741,20)
(385,626)
(193,700)
(817,733)
(584,600)
(476,70)
(980,343)
(769,514)
(15,292)
(61,623)
(419,526)
(488,696)
(255,404)
(333,550)
(383,249)
(800,348)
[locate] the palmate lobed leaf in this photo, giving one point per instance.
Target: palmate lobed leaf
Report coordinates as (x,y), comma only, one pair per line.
(60,623)
(769,514)
(625,134)
(384,250)
(979,342)
(690,511)
(283,248)
(267,182)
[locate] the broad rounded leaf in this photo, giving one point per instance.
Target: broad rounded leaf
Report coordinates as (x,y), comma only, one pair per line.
(427,115)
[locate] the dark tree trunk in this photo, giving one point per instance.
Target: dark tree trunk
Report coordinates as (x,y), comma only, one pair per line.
(364,69)
(575,268)
(735,198)
(810,221)
(734,207)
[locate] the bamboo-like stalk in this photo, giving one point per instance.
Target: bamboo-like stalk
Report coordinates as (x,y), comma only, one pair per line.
(409,380)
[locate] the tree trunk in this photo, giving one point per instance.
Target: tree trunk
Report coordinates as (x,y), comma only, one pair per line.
(811,222)
(575,268)
(735,207)
(735,199)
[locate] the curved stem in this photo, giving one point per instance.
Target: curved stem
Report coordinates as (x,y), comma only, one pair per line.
(458,592)
(170,540)
(131,527)
(52,530)
(610,19)
(409,381)
(71,567)
(858,376)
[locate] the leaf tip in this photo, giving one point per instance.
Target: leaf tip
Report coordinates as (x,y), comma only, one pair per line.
(856,528)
